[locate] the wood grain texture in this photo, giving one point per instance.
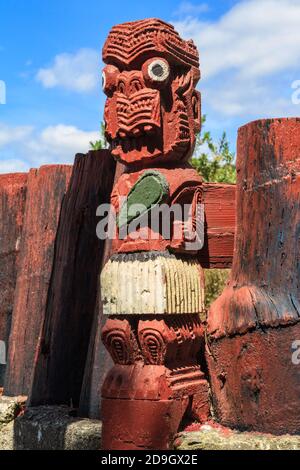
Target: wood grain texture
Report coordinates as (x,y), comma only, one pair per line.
(98,361)
(74,283)
(12,205)
(220,210)
(254,326)
(220,214)
(57,305)
(152,285)
(267,239)
(46,188)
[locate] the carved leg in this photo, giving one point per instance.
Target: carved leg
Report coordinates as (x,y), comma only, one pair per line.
(155,382)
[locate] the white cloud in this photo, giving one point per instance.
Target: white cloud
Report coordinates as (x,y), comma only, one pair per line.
(53,144)
(233,96)
(13,166)
(76,72)
(255,38)
(246,55)
(188,8)
(59,144)
(10,135)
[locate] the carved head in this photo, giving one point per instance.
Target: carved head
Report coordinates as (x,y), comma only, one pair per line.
(152,111)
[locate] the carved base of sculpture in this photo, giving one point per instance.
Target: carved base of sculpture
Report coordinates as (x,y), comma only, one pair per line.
(156,383)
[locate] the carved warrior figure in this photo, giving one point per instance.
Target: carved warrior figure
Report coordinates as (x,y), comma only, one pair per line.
(152,287)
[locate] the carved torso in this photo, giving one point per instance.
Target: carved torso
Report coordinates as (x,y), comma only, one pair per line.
(183,188)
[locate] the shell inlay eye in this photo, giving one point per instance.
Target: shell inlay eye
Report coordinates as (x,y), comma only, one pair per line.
(103,80)
(158,70)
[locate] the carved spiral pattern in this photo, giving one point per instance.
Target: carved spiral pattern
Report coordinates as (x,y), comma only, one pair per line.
(116,344)
(153,346)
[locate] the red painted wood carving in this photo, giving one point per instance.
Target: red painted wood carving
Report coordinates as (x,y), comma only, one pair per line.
(152,286)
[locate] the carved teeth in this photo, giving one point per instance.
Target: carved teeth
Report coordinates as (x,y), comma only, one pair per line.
(136,141)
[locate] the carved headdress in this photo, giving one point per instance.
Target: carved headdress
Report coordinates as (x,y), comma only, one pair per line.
(127,41)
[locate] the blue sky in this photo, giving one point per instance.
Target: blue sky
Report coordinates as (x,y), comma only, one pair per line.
(50,61)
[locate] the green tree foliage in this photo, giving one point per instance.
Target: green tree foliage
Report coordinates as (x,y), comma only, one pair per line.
(214,160)
(215,281)
(216,163)
(101,143)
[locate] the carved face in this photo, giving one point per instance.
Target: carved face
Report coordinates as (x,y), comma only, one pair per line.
(152,112)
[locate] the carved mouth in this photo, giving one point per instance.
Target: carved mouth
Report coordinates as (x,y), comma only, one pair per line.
(147,142)
(139,134)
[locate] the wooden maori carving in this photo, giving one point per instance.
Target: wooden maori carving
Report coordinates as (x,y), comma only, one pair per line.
(152,286)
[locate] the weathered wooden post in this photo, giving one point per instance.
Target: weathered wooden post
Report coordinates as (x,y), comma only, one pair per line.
(254,325)
(73,289)
(45,191)
(152,286)
(56,279)
(12,203)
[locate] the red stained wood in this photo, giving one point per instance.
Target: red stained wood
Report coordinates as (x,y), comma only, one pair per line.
(73,291)
(12,204)
(46,188)
(252,326)
(138,113)
(57,285)
(161,416)
(219,200)
(184,185)
(254,382)
(98,361)
(139,105)
(267,240)
(220,216)
(156,380)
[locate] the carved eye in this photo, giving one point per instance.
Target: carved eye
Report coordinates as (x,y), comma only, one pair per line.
(103,80)
(109,79)
(156,71)
(159,70)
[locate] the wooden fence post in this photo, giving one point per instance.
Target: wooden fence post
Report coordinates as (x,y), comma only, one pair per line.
(45,190)
(254,326)
(12,204)
(72,295)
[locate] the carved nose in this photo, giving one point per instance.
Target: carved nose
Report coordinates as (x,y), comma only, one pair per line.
(135,85)
(131,83)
